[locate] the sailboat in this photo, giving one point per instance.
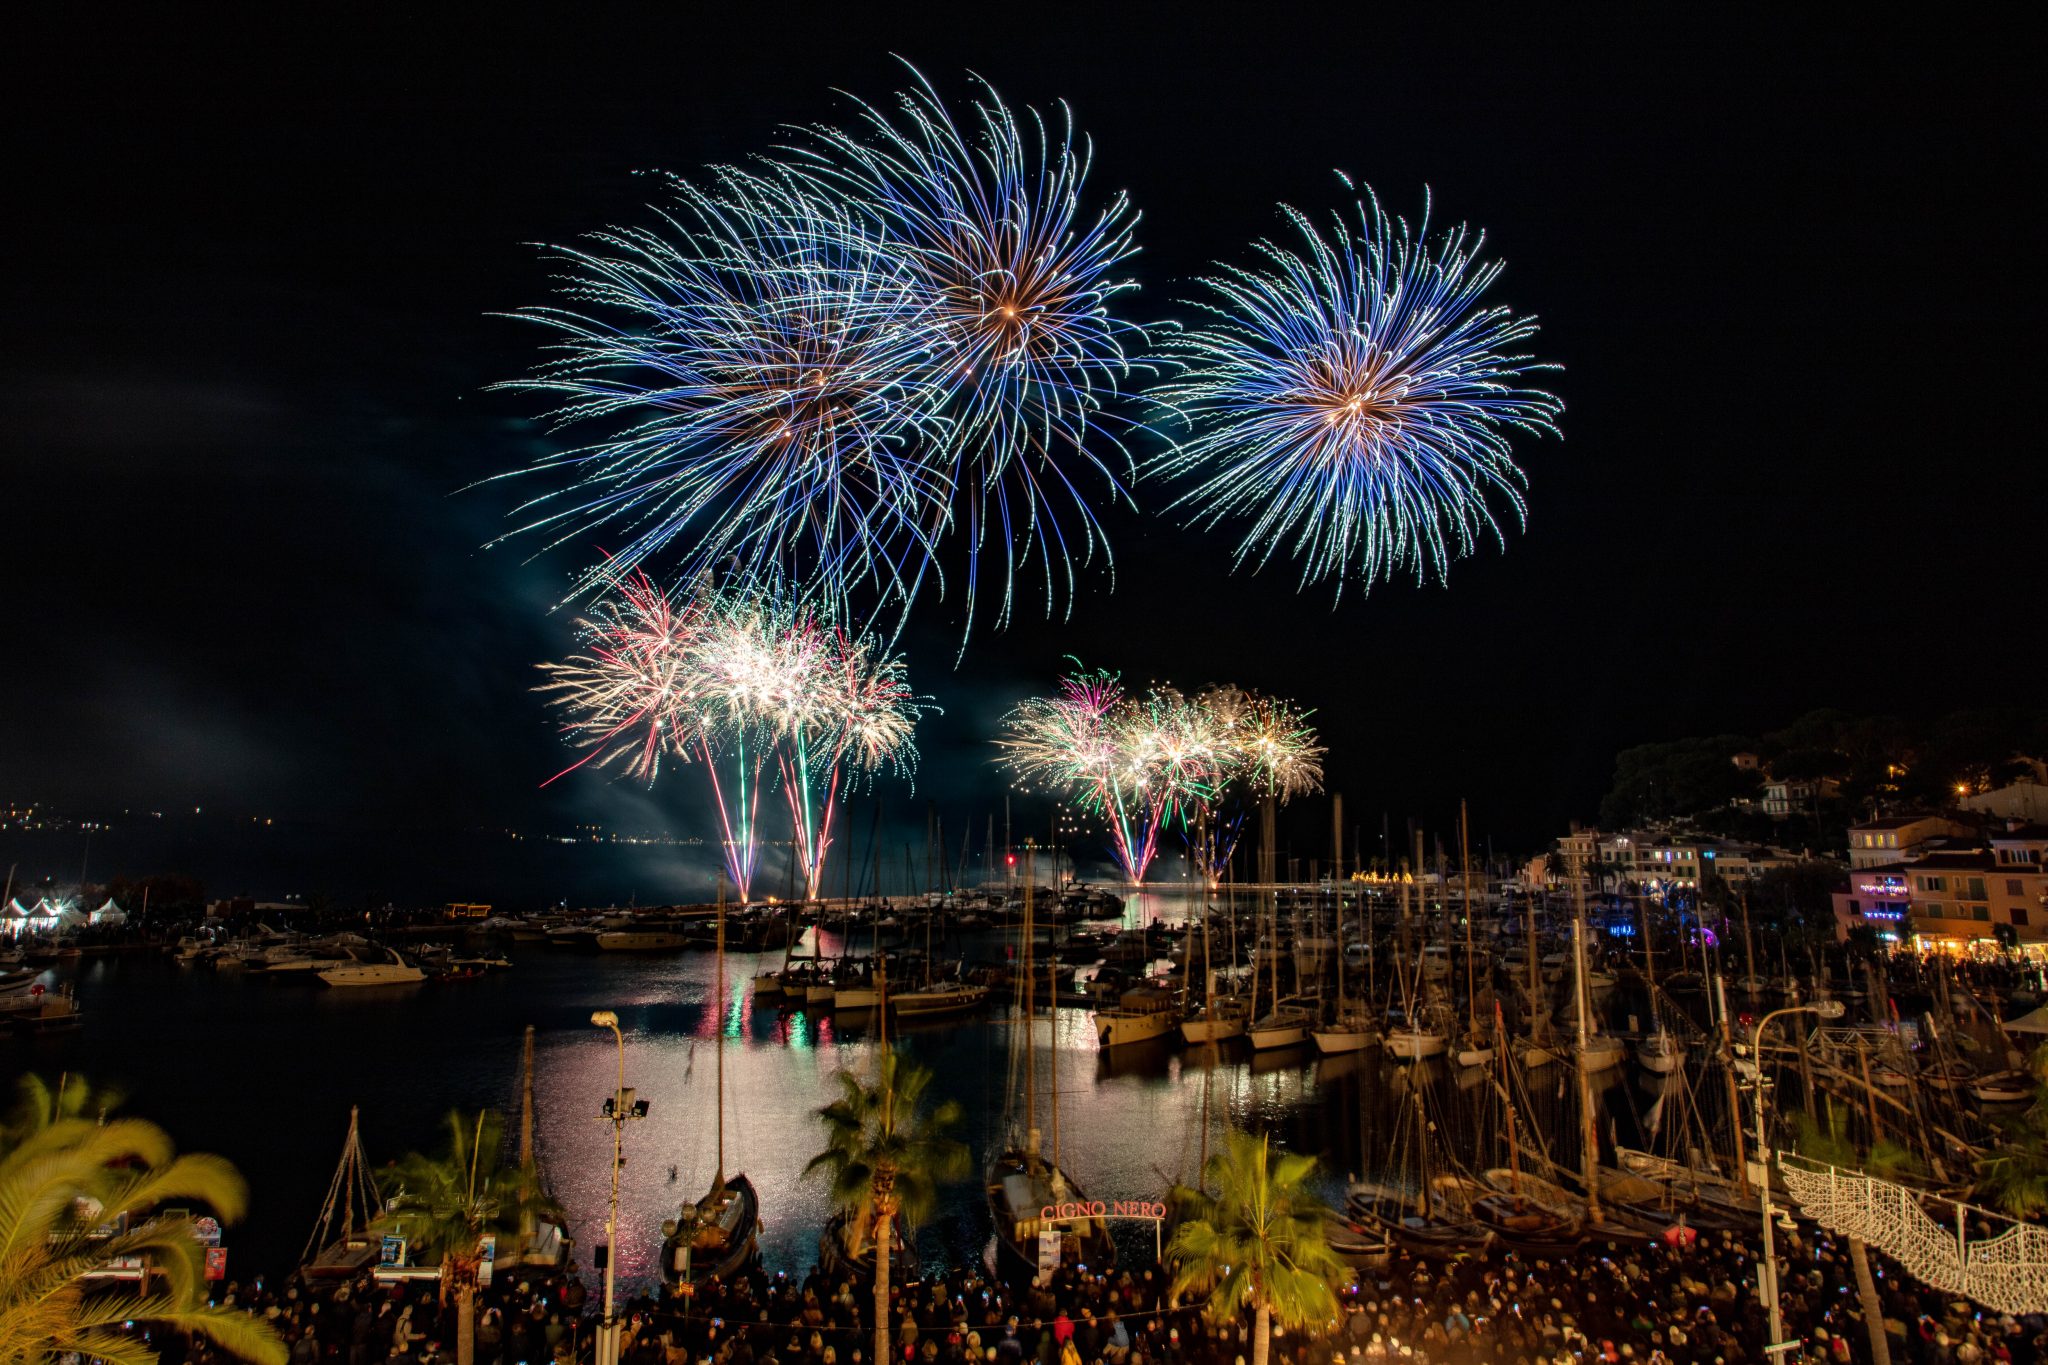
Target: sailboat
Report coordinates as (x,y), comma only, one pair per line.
(1221,1016)
(1423,1033)
(346,1240)
(718,1235)
(1352,1029)
(1476,1048)
(1021,1184)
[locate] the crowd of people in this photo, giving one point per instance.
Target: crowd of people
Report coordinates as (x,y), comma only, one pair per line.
(1626,1301)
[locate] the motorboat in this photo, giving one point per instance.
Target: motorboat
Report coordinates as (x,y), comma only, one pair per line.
(642,940)
(391,970)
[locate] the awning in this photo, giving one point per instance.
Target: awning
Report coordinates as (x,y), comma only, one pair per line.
(2036,1022)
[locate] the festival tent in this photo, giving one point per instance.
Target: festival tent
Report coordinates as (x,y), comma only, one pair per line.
(110,913)
(2037,1022)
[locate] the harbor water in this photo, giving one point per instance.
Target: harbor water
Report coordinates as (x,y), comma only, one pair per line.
(265,1073)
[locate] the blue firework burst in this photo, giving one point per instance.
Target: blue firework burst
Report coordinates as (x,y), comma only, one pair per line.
(762,364)
(1351,401)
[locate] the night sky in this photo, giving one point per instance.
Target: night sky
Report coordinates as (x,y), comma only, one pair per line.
(250,305)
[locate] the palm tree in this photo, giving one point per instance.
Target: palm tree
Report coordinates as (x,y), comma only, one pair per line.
(1258,1242)
(887,1159)
(450,1204)
(76,1192)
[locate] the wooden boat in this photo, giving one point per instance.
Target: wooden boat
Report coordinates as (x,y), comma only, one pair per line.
(2003,1087)
(1432,1230)
(1222,1018)
(1285,1026)
(838,1260)
(1352,1030)
(1021,1186)
(1141,1014)
(1661,1052)
(718,1236)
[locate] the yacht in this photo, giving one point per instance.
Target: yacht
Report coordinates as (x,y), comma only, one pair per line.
(1140,1014)
(651,938)
(393,970)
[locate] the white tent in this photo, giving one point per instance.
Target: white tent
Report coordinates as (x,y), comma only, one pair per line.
(110,913)
(2037,1022)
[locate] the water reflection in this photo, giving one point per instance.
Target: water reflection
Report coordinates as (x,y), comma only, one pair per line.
(1130,1120)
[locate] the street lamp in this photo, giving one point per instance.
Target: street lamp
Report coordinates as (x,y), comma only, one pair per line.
(1767,1269)
(617,1109)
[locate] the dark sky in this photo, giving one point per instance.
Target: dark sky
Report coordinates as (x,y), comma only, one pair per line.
(1784,259)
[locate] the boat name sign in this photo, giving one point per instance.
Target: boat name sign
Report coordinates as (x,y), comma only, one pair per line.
(1150,1209)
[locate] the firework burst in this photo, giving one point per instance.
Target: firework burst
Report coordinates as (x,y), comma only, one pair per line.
(1021,282)
(1353,400)
(761,364)
(732,680)
(1144,764)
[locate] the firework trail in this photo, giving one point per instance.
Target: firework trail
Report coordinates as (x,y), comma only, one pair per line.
(1353,400)
(731,679)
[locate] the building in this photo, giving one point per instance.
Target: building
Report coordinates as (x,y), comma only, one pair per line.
(1784,799)
(1960,897)
(2026,799)
(1879,896)
(1641,858)
(1903,839)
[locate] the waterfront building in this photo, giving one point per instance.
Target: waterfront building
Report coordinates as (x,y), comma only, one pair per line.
(1904,838)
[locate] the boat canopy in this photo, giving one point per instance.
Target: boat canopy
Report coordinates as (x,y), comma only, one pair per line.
(2037,1022)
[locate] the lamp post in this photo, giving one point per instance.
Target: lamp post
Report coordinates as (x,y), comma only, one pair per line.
(620,1107)
(1767,1268)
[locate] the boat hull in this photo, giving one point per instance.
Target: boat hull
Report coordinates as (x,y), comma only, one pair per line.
(1408,1045)
(1333,1041)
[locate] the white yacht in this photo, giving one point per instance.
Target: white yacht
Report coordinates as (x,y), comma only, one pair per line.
(393,970)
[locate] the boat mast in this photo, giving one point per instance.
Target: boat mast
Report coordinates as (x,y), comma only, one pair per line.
(718,1026)
(1030,1030)
(1052,1016)
(1465,858)
(525,1100)
(1589,1136)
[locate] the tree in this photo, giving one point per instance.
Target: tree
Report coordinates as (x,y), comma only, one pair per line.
(450,1204)
(1259,1242)
(77,1191)
(887,1159)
